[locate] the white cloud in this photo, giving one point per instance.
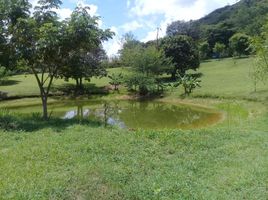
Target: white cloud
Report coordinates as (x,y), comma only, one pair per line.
(172,10)
(113,46)
(131,26)
(63,13)
(177,9)
(128,3)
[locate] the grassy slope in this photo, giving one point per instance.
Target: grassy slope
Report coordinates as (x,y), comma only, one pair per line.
(91,162)
(221,79)
(230,78)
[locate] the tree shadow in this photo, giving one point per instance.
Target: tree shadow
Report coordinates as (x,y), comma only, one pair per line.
(241,57)
(87,89)
(9,82)
(3,95)
(206,61)
(34,122)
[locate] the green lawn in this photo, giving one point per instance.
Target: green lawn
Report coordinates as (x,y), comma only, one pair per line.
(84,160)
(25,85)
(89,162)
(229,79)
(222,79)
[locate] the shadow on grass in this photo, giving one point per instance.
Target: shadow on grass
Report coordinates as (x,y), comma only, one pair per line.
(34,122)
(3,95)
(9,82)
(87,89)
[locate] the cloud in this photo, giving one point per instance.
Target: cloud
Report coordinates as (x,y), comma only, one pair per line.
(128,3)
(172,10)
(64,13)
(113,46)
(179,9)
(131,26)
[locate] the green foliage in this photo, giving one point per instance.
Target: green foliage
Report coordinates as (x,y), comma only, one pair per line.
(240,44)
(83,48)
(220,33)
(116,80)
(219,49)
(11,11)
(204,50)
(147,64)
(189,82)
(50,48)
(183,52)
(260,68)
(141,83)
(3,74)
(189,28)
(246,16)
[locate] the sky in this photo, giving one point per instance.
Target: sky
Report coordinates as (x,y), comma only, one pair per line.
(140,17)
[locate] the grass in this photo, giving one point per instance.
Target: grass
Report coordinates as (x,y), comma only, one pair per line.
(89,162)
(25,85)
(84,160)
(222,79)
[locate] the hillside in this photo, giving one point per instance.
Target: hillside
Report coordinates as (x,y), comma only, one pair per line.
(246,16)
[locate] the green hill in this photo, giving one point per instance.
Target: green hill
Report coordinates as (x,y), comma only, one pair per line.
(246,16)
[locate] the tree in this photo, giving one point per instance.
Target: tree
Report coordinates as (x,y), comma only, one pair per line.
(147,65)
(84,50)
(116,80)
(40,45)
(260,44)
(240,44)
(219,49)
(183,52)
(41,42)
(189,82)
(11,11)
(3,74)
(219,34)
(204,50)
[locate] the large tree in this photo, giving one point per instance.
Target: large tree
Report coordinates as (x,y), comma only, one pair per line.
(10,12)
(240,44)
(147,64)
(43,43)
(183,52)
(40,45)
(84,50)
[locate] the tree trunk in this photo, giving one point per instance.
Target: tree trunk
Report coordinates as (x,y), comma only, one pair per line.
(44,104)
(77,83)
(81,82)
(173,75)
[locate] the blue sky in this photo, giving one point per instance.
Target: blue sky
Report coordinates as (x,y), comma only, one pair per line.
(141,17)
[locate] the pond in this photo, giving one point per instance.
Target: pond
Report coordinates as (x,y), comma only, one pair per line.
(131,114)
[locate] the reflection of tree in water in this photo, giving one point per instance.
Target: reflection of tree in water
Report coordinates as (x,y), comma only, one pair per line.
(111,113)
(80,112)
(159,115)
(134,114)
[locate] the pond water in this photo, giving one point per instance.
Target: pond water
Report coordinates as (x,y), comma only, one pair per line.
(131,114)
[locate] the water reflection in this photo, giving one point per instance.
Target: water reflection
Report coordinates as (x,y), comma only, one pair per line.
(146,115)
